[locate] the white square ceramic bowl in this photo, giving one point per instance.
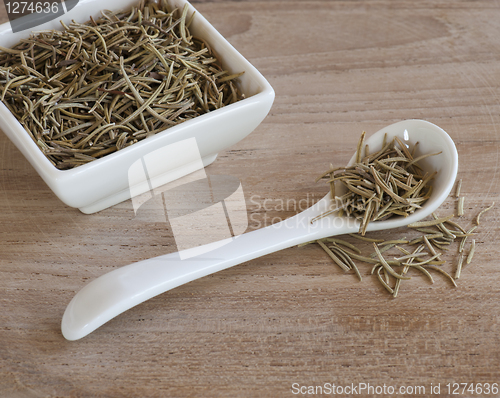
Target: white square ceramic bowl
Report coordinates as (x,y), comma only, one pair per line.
(104,182)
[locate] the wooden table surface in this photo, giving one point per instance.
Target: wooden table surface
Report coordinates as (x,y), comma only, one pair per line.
(274,326)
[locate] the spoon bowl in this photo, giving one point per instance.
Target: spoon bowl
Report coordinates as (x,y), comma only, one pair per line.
(430,138)
(124,288)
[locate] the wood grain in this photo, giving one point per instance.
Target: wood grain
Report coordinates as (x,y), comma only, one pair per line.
(338,68)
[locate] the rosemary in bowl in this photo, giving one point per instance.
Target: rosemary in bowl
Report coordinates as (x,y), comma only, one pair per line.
(95,88)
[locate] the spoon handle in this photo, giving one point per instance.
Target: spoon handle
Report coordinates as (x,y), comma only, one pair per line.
(125,287)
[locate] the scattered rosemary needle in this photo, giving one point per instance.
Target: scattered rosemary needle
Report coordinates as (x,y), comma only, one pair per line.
(458,188)
(482,212)
(366,239)
(444,273)
(387,267)
(437,221)
(464,239)
(95,88)
(459,266)
(460,204)
(393,242)
(471,251)
(337,260)
(344,243)
(383,282)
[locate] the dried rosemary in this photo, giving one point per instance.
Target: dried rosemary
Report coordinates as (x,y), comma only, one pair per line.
(98,87)
(437,234)
(380,184)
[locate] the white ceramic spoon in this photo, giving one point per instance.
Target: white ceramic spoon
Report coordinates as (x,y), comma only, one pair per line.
(124,288)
